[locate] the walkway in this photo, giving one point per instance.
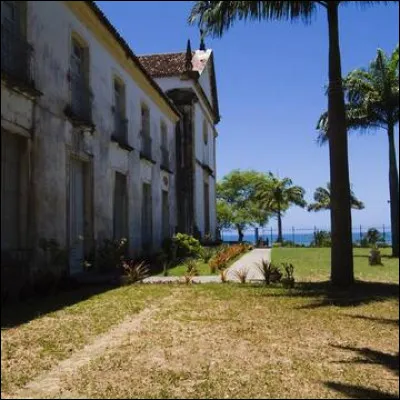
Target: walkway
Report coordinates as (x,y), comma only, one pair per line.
(249,262)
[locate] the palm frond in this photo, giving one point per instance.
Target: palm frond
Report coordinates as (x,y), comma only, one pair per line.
(216,17)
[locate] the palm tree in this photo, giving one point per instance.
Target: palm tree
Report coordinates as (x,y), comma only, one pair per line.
(216,17)
(322,198)
(373,102)
(277,195)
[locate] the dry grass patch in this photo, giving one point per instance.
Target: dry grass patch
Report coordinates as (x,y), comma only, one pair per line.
(36,346)
(235,341)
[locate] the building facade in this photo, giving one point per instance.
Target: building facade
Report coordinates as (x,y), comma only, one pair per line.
(88,137)
(189,80)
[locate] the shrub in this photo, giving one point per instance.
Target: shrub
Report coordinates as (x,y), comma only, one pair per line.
(270,272)
(226,254)
(321,239)
(373,236)
(277,244)
(242,275)
(223,275)
(111,253)
(191,267)
(288,280)
(186,246)
(191,270)
(134,271)
(207,253)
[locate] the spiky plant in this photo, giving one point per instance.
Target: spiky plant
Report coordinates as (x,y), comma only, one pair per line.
(241,274)
(135,271)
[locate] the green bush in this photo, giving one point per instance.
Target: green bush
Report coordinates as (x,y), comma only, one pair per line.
(186,246)
(207,253)
(110,254)
(321,239)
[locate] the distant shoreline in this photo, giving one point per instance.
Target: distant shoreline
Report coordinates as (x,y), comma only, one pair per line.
(297,238)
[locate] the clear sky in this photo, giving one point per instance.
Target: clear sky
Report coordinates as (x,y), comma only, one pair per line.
(271,79)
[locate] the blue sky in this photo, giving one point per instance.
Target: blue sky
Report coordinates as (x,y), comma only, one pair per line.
(271,79)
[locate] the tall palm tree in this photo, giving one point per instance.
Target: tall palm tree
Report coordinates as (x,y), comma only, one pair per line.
(322,198)
(373,102)
(216,17)
(277,195)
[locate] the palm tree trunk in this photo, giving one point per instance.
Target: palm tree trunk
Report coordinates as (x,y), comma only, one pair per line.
(394,191)
(342,269)
(240,233)
(280,236)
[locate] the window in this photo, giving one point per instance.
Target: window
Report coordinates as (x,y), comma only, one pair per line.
(206,150)
(79,77)
(165,215)
(11,187)
(120,122)
(120,207)
(145,132)
(164,146)
(205,132)
(145,120)
(147,218)
(15,50)
(206,208)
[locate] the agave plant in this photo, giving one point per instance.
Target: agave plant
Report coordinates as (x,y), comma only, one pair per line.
(288,280)
(241,274)
(135,271)
(269,271)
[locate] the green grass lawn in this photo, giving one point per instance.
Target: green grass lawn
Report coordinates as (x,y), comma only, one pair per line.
(180,269)
(221,340)
(313,264)
(202,267)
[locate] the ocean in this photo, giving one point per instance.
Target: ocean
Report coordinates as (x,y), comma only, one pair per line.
(298,238)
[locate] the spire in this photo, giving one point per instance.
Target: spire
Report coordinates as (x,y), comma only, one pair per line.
(188,60)
(202,44)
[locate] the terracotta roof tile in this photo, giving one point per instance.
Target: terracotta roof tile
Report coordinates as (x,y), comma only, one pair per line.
(171,64)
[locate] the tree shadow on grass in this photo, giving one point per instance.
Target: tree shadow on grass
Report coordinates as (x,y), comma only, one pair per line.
(359,392)
(369,356)
(385,321)
(326,294)
(18,313)
(389,257)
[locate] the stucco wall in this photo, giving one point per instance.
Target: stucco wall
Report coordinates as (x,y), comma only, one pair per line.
(199,117)
(49,29)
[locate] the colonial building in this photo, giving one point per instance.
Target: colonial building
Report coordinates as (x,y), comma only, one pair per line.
(189,80)
(89,137)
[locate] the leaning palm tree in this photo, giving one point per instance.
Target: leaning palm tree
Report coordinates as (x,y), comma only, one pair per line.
(373,102)
(216,17)
(276,196)
(322,200)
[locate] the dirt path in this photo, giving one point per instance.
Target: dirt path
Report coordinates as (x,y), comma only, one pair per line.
(49,384)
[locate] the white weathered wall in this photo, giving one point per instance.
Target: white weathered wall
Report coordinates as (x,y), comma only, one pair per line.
(199,116)
(205,81)
(49,29)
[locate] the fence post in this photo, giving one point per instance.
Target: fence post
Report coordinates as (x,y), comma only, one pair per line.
(293,235)
(384,233)
(271,237)
(360,234)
